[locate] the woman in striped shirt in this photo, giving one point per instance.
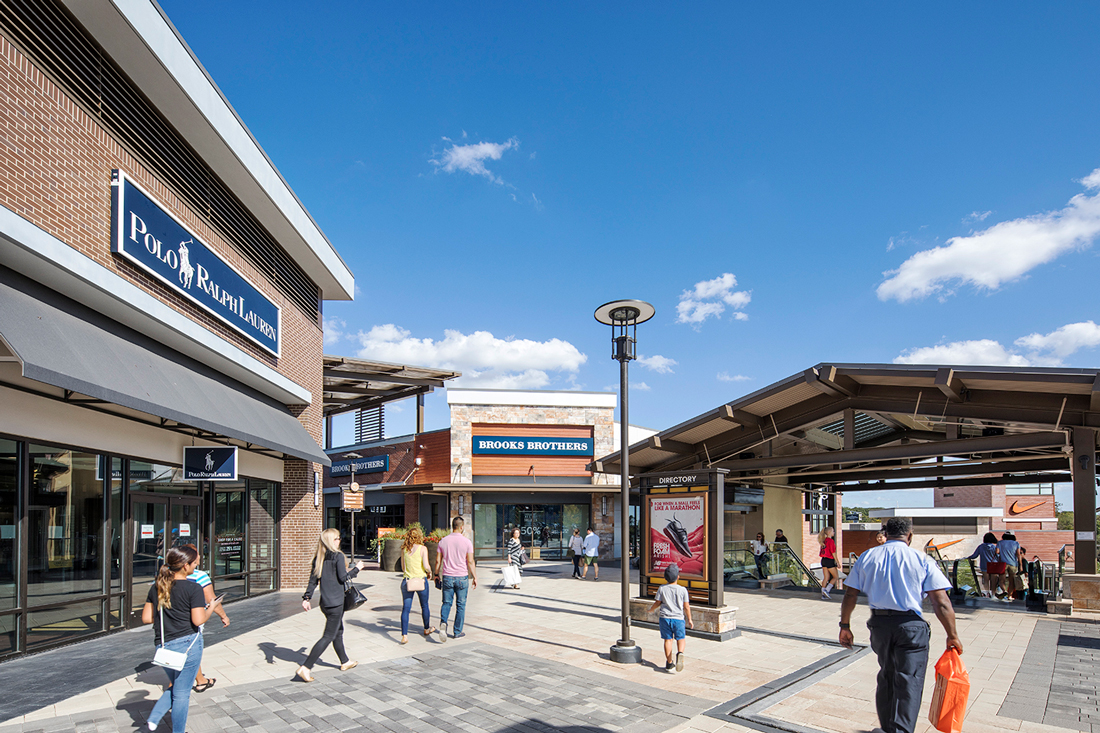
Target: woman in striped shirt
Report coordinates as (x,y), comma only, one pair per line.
(515,553)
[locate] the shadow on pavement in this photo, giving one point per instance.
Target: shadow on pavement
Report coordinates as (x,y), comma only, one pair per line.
(586,614)
(272,651)
(137,704)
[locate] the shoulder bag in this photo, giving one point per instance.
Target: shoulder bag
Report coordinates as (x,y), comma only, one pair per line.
(166,657)
(353,597)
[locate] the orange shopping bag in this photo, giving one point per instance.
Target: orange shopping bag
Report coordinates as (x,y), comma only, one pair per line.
(948,707)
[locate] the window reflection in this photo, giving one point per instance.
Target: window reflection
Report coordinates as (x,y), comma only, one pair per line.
(9,484)
(229,530)
(261,528)
(65,513)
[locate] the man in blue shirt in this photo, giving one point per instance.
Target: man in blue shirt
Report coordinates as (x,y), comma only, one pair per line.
(1010,556)
(895,577)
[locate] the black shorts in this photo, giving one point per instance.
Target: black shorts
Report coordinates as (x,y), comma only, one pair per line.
(828,562)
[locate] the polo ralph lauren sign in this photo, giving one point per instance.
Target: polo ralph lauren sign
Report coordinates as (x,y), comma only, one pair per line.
(145,233)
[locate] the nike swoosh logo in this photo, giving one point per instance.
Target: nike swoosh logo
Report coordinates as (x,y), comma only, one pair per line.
(945,544)
(1014,509)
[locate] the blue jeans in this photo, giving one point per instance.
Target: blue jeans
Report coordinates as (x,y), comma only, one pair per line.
(407,604)
(454,591)
(178,696)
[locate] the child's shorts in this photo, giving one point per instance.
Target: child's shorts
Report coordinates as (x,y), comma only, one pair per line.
(672,628)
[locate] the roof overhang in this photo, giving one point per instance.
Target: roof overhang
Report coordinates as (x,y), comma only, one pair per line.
(138,36)
(885,426)
(356,384)
(56,348)
(939,512)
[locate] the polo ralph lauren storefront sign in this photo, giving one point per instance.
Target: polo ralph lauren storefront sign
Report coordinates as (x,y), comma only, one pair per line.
(146,234)
(492,445)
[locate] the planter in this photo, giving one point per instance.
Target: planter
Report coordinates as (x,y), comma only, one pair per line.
(433,553)
(391,554)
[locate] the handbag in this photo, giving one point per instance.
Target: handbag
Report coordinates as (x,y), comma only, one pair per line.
(414,585)
(353,597)
(167,658)
(523,557)
(511,575)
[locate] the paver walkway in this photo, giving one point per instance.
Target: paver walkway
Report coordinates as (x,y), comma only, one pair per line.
(539,655)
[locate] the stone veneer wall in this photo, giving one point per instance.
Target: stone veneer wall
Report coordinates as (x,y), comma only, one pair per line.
(463,417)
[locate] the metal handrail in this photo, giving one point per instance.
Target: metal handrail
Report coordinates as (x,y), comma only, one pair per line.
(775,550)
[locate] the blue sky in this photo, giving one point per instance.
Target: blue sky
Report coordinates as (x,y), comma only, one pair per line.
(787,184)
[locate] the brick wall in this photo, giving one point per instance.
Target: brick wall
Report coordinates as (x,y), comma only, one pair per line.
(55,172)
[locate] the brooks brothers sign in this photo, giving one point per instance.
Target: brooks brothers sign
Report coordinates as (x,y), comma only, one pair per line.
(492,445)
(154,240)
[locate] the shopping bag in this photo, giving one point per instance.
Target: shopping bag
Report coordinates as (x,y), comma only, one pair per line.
(511,575)
(948,707)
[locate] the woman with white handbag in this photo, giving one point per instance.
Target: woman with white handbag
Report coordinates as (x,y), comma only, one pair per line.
(516,559)
(177,608)
(417,573)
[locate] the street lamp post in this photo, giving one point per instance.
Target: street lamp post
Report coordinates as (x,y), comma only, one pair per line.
(624,316)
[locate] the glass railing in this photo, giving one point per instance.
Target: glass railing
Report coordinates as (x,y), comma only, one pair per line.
(778,562)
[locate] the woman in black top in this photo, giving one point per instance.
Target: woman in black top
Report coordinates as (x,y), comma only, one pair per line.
(330,571)
(182,606)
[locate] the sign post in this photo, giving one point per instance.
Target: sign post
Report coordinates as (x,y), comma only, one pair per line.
(352,502)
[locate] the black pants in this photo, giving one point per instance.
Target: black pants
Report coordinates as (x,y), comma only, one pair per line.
(576,564)
(901,643)
(334,634)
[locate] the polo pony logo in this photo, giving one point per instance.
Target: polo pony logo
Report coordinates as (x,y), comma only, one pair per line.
(187,270)
(210,460)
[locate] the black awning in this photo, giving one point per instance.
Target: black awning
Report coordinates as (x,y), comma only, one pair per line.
(70,346)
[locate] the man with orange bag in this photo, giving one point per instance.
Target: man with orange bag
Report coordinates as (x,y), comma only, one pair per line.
(895,577)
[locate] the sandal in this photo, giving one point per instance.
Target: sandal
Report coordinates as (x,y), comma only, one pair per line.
(204,686)
(404,640)
(429,632)
(303,674)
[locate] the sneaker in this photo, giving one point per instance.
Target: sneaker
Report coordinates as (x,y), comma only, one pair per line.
(460,634)
(825,595)
(679,661)
(670,668)
(442,631)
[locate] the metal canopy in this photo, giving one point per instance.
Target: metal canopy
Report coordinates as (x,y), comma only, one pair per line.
(850,427)
(64,351)
(354,384)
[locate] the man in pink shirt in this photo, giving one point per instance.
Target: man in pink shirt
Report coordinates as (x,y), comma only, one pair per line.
(455,566)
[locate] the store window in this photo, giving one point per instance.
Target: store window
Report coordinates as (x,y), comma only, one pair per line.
(544,528)
(65,513)
(9,528)
(261,535)
(228,549)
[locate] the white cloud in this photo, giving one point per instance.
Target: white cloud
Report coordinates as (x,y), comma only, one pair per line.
(1032,350)
(640,386)
(657,363)
(710,298)
(727,377)
(1062,342)
(471,158)
(1001,253)
(982,351)
(483,359)
(333,330)
(974,216)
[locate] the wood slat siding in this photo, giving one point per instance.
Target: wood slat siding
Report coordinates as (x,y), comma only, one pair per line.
(520,465)
(435,468)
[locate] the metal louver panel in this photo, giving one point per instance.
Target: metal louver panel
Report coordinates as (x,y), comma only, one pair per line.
(63,50)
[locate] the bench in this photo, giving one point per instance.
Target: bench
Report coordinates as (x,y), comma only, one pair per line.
(772,582)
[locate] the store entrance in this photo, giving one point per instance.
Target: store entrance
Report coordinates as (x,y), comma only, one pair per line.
(158,523)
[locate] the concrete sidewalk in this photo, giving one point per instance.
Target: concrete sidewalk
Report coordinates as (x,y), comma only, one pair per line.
(537,659)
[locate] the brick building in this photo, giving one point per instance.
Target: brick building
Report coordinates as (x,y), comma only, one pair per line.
(161,289)
(510,458)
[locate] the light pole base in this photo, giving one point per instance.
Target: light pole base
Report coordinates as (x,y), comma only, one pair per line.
(631,654)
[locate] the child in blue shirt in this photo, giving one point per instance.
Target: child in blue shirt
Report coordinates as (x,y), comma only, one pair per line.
(672,599)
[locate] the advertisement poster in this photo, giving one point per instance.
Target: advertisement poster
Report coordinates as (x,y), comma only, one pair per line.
(678,534)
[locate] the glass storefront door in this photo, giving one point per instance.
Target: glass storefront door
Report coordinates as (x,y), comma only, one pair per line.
(159,523)
(150,523)
(543,528)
